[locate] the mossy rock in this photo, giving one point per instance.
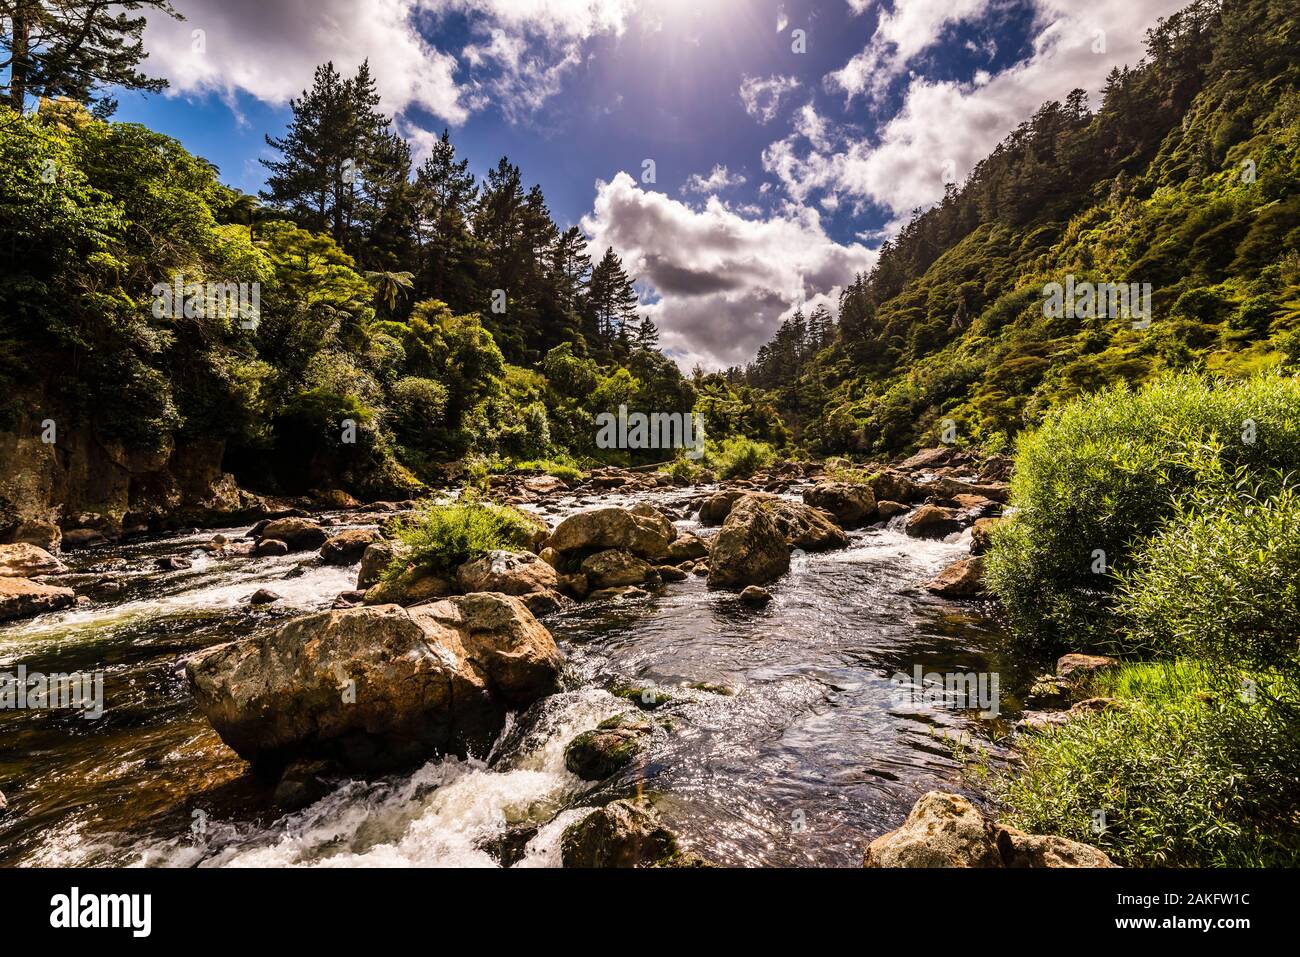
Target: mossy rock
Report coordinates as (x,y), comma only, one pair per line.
(606,749)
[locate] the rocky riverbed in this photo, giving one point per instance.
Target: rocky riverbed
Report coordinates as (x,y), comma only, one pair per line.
(724,655)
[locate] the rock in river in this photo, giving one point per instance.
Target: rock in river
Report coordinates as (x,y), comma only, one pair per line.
(641,530)
(851,503)
(22,560)
(346,548)
(20,598)
(377,687)
(964,578)
(621,834)
(511,573)
(607,748)
(750,548)
(300,534)
(946,830)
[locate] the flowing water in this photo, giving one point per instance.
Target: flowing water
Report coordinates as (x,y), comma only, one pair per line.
(784,740)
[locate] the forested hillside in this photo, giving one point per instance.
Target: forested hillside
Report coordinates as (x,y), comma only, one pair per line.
(1185,178)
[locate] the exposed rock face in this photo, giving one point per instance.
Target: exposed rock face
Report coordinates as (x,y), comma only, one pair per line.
(614,567)
(620,834)
(28,561)
(946,830)
(20,598)
(934,521)
(511,573)
(850,503)
(346,548)
(38,532)
(377,688)
(750,548)
(606,749)
(964,578)
(641,530)
(300,534)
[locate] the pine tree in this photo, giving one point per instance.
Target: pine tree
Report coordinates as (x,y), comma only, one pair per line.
(646,338)
(71,49)
(444,197)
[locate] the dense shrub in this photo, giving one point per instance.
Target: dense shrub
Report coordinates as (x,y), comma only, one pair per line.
(442,537)
(738,457)
(1184,776)
(1221,583)
(1106,472)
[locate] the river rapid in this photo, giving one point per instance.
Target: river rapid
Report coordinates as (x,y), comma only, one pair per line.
(784,741)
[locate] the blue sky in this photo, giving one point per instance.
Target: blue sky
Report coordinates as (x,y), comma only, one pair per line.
(777,172)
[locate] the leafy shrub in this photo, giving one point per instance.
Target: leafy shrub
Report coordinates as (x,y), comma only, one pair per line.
(1184,778)
(738,457)
(418,406)
(561,469)
(442,537)
(1105,472)
(1222,583)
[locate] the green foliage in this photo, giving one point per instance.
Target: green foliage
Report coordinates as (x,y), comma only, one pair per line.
(738,457)
(1221,583)
(1186,774)
(442,537)
(1103,473)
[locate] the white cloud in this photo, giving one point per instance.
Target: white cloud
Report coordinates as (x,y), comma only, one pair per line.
(901,33)
(719,178)
(762,97)
(942,122)
(722,281)
(270,50)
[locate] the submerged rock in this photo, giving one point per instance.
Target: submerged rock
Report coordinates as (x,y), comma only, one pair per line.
(377,688)
(23,560)
(621,834)
(21,598)
(755,596)
(264,596)
(271,546)
(946,830)
(606,749)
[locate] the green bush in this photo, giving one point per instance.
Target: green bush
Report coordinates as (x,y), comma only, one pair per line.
(561,469)
(738,457)
(1221,583)
(1183,776)
(442,537)
(1105,472)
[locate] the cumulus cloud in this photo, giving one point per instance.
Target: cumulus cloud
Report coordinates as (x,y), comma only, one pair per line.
(516,57)
(944,127)
(270,50)
(901,33)
(762,96)
(718,283)
(719,178)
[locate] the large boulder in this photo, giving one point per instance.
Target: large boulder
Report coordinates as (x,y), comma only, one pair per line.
(377,688)
(934,521)
(300,534)
(946,830)
(641,530)
(851,503)
(928,459)
(891,486)
(716,507)
(620,834)
(614,567)
(23,560)
(38,532)
(750,548)
(511,573)
(964,578)
(413,587)
(805,527)
(20,598)
(346,548)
